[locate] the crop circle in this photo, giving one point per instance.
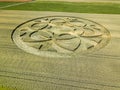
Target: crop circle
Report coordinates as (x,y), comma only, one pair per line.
(60,35)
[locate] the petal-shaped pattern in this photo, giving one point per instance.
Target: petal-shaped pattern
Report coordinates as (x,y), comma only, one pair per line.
(70,45)
(41,35)
(65,36)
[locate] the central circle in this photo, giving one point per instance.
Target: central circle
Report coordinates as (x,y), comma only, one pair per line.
(60,35)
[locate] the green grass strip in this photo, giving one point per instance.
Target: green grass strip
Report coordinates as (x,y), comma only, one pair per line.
(79,7)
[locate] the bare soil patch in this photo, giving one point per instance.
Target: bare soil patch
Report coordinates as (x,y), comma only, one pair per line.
(14,0)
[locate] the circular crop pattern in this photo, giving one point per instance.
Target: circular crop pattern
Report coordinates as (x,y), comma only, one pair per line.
(60,35)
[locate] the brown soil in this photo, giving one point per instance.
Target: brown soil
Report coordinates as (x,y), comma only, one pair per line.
(14,0)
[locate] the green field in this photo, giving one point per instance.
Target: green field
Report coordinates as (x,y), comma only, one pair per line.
(6,3)
(81,7)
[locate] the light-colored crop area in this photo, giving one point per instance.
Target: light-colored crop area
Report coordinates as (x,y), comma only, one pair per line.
(99,70)
(96,71)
